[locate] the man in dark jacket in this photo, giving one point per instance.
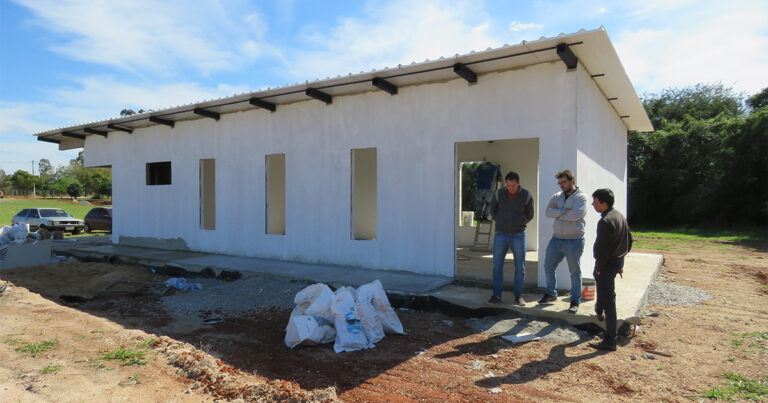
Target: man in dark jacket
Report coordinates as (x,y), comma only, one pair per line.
(613,242)
(512,209)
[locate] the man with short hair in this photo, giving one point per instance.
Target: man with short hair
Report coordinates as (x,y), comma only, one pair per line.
(613,242)
(512,209)
(568,207)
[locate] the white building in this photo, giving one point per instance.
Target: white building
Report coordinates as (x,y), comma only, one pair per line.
(363,170)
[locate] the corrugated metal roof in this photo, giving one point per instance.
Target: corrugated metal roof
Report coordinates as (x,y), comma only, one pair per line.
(593,49)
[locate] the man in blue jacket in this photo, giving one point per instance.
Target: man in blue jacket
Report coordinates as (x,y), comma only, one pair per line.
(512,209)
(568,207)
(485,176)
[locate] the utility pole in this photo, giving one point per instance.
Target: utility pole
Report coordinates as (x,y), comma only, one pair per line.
(34,193)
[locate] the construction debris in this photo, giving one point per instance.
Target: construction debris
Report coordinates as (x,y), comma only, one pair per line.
(521,337)
(180,283)
(354,319)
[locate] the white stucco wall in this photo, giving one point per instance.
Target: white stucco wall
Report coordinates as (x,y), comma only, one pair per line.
(602,156)
(413,132)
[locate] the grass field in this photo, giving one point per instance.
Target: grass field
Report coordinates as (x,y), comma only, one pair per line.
(9,207)
(668,239)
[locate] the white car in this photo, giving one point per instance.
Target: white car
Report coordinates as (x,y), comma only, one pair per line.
(52,219)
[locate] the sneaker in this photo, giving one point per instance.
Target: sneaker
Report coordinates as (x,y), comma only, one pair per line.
(547,299)
(494,299)
(603,346)
(519,300)
(574,307)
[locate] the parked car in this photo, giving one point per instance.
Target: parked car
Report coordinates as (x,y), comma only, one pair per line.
(99,218)
(52,219)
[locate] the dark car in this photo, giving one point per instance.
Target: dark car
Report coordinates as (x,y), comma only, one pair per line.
(99,218)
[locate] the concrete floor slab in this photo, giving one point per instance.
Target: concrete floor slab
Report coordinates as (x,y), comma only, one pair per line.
(631,295)
(393,281)
(477,267)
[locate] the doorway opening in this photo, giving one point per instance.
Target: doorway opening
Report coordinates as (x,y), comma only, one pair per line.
(473,237)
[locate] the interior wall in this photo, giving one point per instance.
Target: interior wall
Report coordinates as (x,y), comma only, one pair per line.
(275,168)
(364,194)
(519,155)
(208,194)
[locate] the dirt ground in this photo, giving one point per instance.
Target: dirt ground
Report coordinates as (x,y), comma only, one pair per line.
(440,358)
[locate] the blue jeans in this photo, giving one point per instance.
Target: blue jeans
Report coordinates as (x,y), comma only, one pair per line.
(571,249)
(483,203)
(501,244)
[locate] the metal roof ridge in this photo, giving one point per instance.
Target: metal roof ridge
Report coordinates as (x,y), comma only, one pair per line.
(351,76)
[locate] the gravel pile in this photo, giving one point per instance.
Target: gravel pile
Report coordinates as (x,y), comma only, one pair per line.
(233,297)
(662,292)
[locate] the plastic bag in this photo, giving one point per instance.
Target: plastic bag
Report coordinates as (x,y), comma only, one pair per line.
(384,312)
(306,330)
(350,335)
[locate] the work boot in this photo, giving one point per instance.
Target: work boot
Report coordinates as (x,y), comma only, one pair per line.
(603,346)
(574,307)
(547,299)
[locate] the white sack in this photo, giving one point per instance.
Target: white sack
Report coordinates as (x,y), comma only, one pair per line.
(19,232)
(5,235)
(314,300)
(384,312)
(372,327)
(350,335)
(306,330)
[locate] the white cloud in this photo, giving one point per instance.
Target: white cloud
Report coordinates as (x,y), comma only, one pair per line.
(399,32)
(728,45)
(516,26)
(90,99)
(147,36)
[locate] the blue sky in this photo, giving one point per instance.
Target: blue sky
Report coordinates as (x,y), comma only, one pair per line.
(67,62)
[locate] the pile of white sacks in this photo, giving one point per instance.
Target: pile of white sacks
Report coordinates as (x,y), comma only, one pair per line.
(14,235)
(352,319)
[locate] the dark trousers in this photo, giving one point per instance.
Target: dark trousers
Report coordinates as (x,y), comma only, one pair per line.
(606,297)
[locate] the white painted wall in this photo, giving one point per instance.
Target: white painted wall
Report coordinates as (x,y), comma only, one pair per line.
(602,156)
(414,133)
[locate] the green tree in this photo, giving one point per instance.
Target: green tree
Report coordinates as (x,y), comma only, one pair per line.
(706,163)
(45,168)
(23,181)
(75,189)
(468,191)
(129,112)
(758,100)
(105,190)
(702,101)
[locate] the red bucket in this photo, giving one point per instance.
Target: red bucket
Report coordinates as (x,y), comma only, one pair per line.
(588,292)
